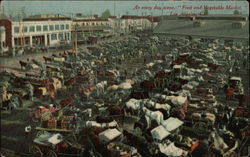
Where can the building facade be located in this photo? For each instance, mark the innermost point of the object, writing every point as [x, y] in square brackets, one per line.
[55, 30]
[135, 23]
[2, 39]
[47, 32]
[92, 27]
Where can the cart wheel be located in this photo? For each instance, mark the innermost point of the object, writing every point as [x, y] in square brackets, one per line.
[51, 153]
[200, 128]
[35, 151]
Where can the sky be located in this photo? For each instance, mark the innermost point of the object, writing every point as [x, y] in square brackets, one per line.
[121, 7]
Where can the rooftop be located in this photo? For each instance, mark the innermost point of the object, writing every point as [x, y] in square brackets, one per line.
[90, 28]
[48, 19]
[89, 20]
[212, 28]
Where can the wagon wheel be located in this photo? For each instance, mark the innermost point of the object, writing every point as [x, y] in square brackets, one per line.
[200, 128]
[51, 153]
[35, 151]
[215, 88]
[45, 116]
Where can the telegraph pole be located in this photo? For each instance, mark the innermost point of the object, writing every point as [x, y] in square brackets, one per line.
[74, 46]
[114, 6]
[1, 46]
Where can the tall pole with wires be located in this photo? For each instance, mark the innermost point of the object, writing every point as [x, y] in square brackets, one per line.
[74, 37]
[114, 7]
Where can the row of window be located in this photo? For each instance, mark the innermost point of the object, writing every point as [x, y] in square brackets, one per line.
[95, 24]
[60, 36]
[40, 28]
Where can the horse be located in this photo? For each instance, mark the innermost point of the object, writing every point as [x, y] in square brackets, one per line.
[100, 87]
[44, 49]
[154, 115]
[139, 95]
[164, 108]
[47, 59]
[23, 64]
[150, 85]
[133, 105]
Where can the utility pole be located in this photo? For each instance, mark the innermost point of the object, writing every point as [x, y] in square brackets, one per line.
[74, 42]
[152, 20]
[1, 14]
[114, 6]
[21, 35]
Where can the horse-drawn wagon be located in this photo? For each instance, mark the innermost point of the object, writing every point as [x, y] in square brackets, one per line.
[42, 112]
[234, 87]
[54, 145]
[200, 123]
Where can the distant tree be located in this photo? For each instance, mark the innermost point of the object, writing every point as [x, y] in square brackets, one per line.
[106, 14]
[236, 12]
[23, 12]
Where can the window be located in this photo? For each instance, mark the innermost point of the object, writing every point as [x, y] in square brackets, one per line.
[57, 27]
[83, 24]
[32, 28]
[62, 27]
[45, 28]
[25, 29]
[53, 36]
[38, 28]
[67, 36]
[16, 29]
[61, 37]
[67, 26]
[51, 27]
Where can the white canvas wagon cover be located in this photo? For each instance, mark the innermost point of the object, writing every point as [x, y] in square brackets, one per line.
[172, 123]
[109, 135]
[49, 138]
[235, 78]
[171, 150]
[159, 133]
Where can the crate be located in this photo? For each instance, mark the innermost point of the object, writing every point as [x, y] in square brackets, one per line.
[44, 124]
[52, 123]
